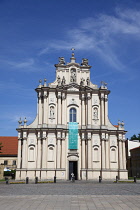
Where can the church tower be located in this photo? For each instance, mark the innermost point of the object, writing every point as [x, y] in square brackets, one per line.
[72, 132]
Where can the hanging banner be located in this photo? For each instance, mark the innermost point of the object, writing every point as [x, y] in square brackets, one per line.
[73, 135]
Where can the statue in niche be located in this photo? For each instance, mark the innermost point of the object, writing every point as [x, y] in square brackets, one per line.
[61, 60]
[82, 81]
[84, 62]
[73, 75]
[63, 81]
[88, 81]
[95, 114]
[52, 112]
[58, 80]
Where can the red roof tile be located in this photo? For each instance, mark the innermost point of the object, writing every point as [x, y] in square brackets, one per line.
[9, 145]
[116, 126]
[135, 148]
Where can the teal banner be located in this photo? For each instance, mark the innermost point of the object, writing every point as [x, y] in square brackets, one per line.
[73, 135]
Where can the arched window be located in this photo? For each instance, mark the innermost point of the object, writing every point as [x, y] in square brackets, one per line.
[72, 115]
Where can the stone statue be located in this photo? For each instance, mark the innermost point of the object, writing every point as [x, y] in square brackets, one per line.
[88, 81]
[63, 81]
[73, 76]
[52, 112]
[58, 80]
[84, 62]
[61, 60]
[82, 81]
[95, 114]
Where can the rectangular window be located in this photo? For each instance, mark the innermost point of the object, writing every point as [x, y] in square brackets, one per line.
[5, 162]
[14, 162]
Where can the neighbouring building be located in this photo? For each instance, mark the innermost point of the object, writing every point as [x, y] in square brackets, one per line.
[135, 161]
[129, 146]
[8, 152]
[72, 132]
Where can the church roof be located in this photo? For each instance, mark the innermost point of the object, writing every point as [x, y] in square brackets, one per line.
[9, 145]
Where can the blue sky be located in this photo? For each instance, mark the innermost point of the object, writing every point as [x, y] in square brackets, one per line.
[34, 33]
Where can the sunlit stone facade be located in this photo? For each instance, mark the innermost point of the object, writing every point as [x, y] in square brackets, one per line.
[43, 146]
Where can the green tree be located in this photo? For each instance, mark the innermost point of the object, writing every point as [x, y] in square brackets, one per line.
[134, 137]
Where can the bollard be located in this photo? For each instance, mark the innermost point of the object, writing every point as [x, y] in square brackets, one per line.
[7, 180]
[100, 179]
[116, 179]
[36, 180]
[54, 179]
[27, 180]
[135, 179]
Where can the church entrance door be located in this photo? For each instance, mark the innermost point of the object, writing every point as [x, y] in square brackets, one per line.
[73, 169]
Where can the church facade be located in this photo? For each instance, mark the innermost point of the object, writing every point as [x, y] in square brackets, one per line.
[72, 132]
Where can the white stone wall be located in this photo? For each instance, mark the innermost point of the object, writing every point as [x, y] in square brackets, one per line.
[43, 145]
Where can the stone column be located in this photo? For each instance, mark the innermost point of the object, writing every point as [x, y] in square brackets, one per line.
[102, 109]
[45, 108]
[59, 109]
[24, 155]
[39, 152]
[63, 159]
[89, 109]
[19, 153]
[83, 151]
[44, 148]
[106, 109]
[58, 152]
[103, 153]
[89, 152]
[120, 155]
[58, 149]
[107, 153]
[124, 155]
[39, 108]
[83, 110]
[63, 109]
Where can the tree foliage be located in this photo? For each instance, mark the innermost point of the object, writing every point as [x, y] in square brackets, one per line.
[134, 137]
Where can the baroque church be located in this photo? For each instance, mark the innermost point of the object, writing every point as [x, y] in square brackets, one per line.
[71, 132]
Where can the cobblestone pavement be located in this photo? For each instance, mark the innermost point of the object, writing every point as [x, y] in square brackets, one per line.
[70, 196]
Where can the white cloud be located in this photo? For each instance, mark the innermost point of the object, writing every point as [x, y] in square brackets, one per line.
[27, 63]
[104, 35]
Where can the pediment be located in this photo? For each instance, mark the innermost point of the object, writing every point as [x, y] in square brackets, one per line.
[73, 87]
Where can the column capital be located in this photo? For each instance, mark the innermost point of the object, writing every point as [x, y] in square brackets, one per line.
[120, 140]
[63, 96]
[59, 95]
[88, 96]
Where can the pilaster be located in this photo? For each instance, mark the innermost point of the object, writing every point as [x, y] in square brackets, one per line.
[59, 108]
